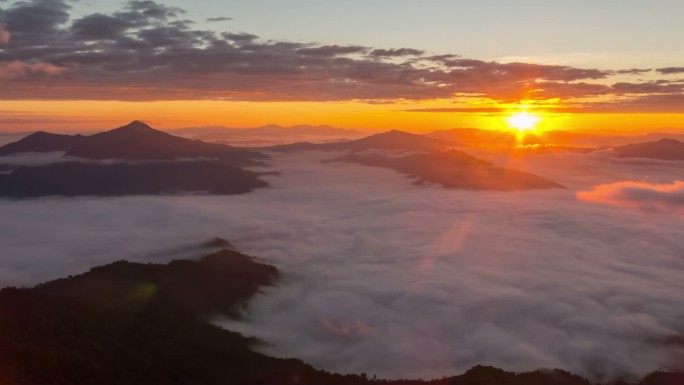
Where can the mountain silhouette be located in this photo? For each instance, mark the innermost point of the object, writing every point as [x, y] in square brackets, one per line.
[42, 142]
[138, 141]
[455, 169]
[134, 141]
[664, 149]
[507, 138]
[391, 140]
[147, 162]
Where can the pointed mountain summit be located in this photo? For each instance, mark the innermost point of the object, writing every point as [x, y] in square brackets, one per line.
[664, 149]
[135, 127]
[134, 141]
[154, 164]
[139, 141]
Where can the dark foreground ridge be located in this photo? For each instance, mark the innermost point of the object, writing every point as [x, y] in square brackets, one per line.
[128, 323]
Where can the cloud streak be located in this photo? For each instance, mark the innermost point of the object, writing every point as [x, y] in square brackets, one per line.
[671, 70]
[15, 70]
[661, 197]
[218, 19]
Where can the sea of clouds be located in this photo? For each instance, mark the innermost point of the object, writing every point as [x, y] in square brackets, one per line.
[389, 278]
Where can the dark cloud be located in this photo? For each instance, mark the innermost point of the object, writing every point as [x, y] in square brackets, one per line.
[100, 27]
[528, 71]
[397, 52]
[149, 51]
[656, 87]
[36, 22]
[332, 50]
[147, 9]
[217, 19]
[633, 71]
[238, 38]
[657, 103]
[671, 70]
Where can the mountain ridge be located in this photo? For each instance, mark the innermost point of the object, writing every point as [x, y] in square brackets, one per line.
[155, 163]
[389, 140]
[663, 149]
[134, 141]
[455, 169]
[41, 141]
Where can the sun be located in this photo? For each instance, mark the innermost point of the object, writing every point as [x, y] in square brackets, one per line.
[523, 121]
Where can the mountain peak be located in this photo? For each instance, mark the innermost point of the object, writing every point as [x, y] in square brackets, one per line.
[664, 149]
[668, 140]
[393, 134]
[40, 133]
[135, 126]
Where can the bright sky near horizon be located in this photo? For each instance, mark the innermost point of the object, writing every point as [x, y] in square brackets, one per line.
[407, 64]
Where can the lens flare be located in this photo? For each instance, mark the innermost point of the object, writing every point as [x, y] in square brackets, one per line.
[523, 121]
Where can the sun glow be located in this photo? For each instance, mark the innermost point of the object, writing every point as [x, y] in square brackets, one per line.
[523, 121]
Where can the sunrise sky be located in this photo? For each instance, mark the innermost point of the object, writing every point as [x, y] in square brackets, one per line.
[409, 64]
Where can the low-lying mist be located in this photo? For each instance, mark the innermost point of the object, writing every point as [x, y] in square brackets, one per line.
[386, 277]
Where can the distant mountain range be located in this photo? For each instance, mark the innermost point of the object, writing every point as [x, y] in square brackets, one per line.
[664, 149]
[454, 169]
[268, 135]
[136, 159]
[217, 132]
[497, 138]
[139, 160]
[392, 140]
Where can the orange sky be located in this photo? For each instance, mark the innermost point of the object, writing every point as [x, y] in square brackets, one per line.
[97, 115]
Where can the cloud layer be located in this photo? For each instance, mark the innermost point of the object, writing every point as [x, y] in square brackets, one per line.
[132, 53]
[385, 277]
[638, 194]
